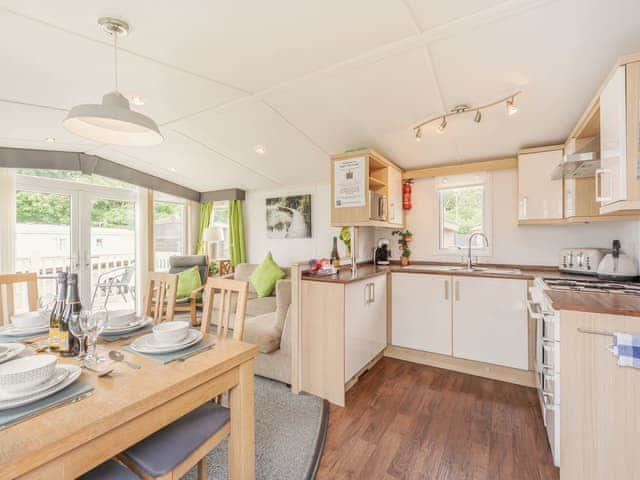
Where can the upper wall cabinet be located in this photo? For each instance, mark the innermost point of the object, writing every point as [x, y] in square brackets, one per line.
[617, 181]
[539, 197]
[366, 190]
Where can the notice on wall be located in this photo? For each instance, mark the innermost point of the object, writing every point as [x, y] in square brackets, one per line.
[349, 181]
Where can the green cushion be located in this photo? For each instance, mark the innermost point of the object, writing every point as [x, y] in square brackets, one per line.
[265, 276]
[188, 281]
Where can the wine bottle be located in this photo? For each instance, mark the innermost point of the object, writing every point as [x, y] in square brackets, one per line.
[69, 343]
[335, 257]
[56, 313]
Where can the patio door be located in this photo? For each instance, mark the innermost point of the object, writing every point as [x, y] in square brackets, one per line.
[81, 228]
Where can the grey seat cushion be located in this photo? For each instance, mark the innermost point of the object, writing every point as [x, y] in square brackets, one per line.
[164, 450]
[179, 263]
[110, 470]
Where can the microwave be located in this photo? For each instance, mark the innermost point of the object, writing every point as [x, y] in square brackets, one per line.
[377, 206]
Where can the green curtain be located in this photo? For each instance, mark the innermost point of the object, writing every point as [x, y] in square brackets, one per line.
[205, 220]
[236, 233]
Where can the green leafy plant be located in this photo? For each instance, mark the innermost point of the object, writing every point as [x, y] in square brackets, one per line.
[213, 268]
[404, 238]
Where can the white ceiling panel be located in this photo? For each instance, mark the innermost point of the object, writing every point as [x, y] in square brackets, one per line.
[434, 13]
[184, 162]
[251, 44]
[359, 104]
[55, 68]
[235, 130]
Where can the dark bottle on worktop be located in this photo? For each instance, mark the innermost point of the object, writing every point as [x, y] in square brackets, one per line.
[335, 257]
[69, 343]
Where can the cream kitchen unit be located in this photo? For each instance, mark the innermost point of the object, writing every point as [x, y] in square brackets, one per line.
[539, 197]
[467, 317]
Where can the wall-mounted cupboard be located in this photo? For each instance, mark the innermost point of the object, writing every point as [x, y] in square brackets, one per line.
[366, 190]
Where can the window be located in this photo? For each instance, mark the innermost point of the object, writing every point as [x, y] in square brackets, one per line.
[169, 230]
[463, 209]
[220, 219]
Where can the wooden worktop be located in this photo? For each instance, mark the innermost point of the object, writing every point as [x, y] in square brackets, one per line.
[368, 270]
[595, 302]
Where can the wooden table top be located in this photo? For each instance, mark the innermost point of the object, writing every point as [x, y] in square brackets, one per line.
[116, 399]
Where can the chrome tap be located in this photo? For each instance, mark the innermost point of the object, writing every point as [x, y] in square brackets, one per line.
[471, 237]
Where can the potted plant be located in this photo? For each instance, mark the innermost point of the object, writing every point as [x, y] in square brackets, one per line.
[404, 237]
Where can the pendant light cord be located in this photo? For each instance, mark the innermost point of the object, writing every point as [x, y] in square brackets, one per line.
[115, 58]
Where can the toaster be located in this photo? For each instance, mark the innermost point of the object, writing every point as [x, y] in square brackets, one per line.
[581, 260]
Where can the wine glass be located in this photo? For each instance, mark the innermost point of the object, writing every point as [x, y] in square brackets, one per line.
[77, 326]
[95, 323]
[45, 305]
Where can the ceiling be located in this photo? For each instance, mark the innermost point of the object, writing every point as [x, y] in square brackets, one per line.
[308, 79]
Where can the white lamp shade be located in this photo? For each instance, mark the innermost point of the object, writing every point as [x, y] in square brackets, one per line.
[113, 122]
[213, 234]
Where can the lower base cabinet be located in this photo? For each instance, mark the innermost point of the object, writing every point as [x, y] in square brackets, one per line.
[475, 318]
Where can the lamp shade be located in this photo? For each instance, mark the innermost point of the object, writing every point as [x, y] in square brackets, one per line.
[213, 234]
[113, 122]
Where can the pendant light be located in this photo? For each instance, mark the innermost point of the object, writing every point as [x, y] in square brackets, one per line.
[113, 121]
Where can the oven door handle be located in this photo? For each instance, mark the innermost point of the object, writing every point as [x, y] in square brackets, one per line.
[532, 313]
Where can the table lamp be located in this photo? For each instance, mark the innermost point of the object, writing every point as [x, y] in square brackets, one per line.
[212, 236]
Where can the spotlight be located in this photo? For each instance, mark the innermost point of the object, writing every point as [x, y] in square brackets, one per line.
[478, 117]
[418, 134]
[442, 125]
[512, 109]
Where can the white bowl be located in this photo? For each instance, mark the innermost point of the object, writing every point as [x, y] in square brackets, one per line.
[121, 318]
[167, 333]
[29, 319]
[26, 372]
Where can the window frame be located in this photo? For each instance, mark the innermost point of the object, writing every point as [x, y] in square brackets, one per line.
[482, 179]
[226, 244]
[166, 198]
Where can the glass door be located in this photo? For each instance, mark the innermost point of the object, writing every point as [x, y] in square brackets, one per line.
[110, 253]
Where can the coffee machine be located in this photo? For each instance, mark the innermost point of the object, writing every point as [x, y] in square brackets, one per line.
[382, 252]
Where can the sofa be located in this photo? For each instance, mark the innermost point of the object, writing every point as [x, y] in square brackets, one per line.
[267, 324]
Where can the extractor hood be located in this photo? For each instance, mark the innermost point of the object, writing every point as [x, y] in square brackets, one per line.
[577, 165]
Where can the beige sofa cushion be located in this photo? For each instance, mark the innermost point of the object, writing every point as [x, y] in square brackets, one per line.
[260, 306]
[263, 331]
[244, 271]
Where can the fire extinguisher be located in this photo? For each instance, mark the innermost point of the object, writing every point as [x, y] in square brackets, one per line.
[406, 194]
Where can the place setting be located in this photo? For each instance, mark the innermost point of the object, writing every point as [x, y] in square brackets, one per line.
[171, 341]
[28, 325]
[123, 324]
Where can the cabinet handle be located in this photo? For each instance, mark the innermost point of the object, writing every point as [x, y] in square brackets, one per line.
[600, 178]
[457, 290]
[372, 297]
[524, 202]
[446, 289]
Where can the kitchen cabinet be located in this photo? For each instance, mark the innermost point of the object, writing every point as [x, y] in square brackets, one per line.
[600, 418]
[611, 178]
[421, 312]
[365, 322]
[490, 322]
[539, 197]
[361, 182]
[343, 327]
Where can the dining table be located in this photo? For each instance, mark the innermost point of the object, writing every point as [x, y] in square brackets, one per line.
[131, 404]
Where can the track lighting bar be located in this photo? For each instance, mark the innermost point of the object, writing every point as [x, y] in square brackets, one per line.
[510, 102]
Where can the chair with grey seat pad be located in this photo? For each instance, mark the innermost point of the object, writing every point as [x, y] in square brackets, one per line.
[110, 470]
[192, 303]
[172, 451]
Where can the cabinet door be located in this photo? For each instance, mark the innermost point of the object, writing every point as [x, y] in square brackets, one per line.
[490, 321]
[421, 312]
[365, 322]
[539, 197]
[395, 196]
[611, 178]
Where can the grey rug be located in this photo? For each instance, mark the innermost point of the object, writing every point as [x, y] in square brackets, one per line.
[289, 435]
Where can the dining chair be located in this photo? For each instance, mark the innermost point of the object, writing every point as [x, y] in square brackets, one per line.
[160, 299]
[172, 451]
[8, 283]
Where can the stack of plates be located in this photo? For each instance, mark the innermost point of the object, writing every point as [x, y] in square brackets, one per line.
[29, 379]
[25, 324]
[150, 343]
[120, 327]
[10, 350]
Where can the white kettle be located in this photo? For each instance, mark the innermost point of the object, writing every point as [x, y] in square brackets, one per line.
[617, 265]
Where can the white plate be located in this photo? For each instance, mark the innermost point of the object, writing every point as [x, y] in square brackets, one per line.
[147, 343]
[121, 318]
[140, 322]
[29, 319]
[74, 373]
[11, 331]
[59, 375]
[13, 350]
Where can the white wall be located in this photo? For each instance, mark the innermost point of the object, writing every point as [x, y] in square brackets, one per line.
[287, 251]
[524, 245]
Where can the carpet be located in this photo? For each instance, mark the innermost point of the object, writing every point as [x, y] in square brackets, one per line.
[290, 431]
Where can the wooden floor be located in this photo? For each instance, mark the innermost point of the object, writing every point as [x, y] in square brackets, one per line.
[405, 420]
